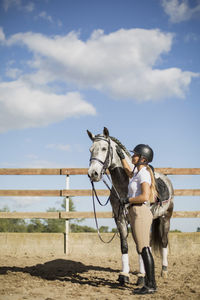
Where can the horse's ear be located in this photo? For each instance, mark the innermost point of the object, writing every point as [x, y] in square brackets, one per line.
[106, 132]
[91, 136]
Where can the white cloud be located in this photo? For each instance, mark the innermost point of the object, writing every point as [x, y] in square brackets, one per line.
[13, 73]
[22, 106]
[118, 63]
[9, 3]
[43, 15]
[28, 7]
[192, 37]
[2, 35]
[123, 64]
[179, 10]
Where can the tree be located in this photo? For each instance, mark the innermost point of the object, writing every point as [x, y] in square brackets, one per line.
[47, 225]
[71, 204]
[35, 225]
[58, 225]
[198, 229]
[11, 225]
[103, 229]
[78, 228]
[54, 225]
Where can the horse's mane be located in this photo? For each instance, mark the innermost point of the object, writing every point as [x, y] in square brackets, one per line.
[120, 145]
[117, 142]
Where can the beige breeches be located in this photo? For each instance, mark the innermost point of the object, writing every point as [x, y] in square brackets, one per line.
[140, 218]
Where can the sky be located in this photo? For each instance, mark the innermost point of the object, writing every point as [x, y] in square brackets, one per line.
[132, 66]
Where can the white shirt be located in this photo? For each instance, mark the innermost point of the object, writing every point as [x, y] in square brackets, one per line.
[134, 187]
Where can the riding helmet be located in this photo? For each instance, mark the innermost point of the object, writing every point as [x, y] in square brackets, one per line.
[144, 151]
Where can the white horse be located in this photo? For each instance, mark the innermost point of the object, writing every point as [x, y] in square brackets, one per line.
[103, 157]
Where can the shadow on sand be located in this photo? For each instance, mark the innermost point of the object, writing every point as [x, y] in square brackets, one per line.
[67, 270]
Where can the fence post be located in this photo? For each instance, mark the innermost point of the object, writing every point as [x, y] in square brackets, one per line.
[66, 240]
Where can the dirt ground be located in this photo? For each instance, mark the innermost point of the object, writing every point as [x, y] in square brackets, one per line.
[70, 277]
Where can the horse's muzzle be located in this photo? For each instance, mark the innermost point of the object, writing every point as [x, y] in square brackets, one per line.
[94, 175]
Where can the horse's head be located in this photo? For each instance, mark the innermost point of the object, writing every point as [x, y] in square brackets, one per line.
[101, 154]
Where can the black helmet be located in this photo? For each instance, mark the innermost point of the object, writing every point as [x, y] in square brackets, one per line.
[144, 151]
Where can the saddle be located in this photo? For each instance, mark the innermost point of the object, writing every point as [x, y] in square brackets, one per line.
[162, 189]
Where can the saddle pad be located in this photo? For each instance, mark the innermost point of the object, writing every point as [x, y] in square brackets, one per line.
[162, 189]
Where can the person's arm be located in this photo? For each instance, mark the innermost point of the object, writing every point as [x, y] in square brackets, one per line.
[125, 165]
[127, 168]
[143, 197]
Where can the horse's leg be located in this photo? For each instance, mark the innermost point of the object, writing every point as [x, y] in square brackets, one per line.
[122, 228]
[164, 229]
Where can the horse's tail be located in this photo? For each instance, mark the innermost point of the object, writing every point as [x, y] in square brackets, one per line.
[156, 238]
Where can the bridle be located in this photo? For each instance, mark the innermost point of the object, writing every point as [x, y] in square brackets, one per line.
[104, 167]
[106, 162]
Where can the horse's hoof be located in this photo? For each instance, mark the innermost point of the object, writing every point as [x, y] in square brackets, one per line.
[164, 272]
[140, 281]
[123, 279]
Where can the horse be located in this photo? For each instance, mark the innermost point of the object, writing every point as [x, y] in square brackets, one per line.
[103, 157]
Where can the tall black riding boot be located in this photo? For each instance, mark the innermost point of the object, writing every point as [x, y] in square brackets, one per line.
[150, 283]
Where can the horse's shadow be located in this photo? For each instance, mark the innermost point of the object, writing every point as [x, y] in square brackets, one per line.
[66, 270]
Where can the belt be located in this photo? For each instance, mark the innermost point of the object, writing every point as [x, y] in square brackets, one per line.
[135, 204]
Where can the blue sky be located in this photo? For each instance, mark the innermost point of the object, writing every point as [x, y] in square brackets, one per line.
[68, 66]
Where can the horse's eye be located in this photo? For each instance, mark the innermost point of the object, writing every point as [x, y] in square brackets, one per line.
[104, 149]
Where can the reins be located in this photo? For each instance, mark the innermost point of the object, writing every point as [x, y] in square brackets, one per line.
[95, 215]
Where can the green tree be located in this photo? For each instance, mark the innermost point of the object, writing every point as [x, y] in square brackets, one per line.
[78, 228]
[198, 229]
[35, 225]
[103, 229]
[47, 225]
[54, 225]
[58, 225]
[12, 225]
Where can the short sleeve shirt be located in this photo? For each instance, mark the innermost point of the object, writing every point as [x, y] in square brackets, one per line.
[134, 187]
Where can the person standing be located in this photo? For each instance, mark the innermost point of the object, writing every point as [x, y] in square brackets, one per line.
[141, 192]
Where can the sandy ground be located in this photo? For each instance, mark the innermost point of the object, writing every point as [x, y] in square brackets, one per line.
[70, 277]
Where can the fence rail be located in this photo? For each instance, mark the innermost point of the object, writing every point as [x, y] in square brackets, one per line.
[83, 171]
[81, 192]
[73, 193]
[80, 215]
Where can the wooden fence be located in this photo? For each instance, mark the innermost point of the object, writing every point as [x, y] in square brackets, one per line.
[80, 192]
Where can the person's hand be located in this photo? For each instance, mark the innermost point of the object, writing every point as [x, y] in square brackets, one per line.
[120, 152]
[124, 201]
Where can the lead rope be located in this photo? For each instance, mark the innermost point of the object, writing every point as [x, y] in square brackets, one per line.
[95, 193]
[120, 207]
[95, 216]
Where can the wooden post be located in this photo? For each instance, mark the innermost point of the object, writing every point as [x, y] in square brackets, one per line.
[66, 240]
